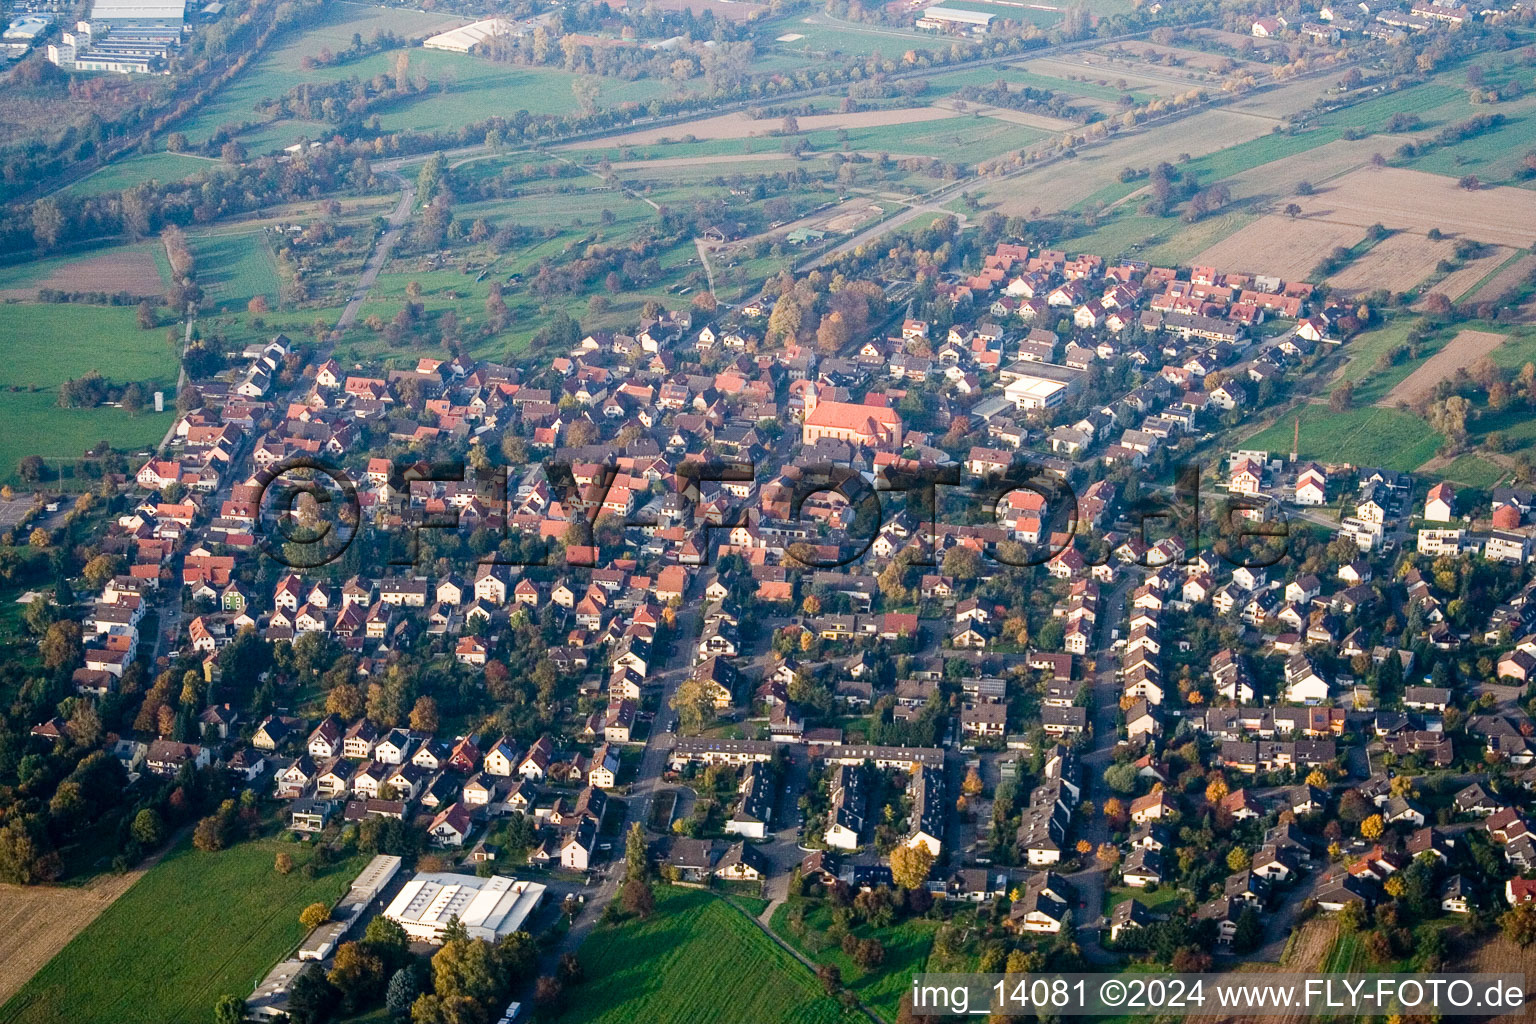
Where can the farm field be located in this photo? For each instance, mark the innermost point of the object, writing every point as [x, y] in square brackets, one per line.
[1459, 283]
[1461, 351]
[1415, 201]
[740, 126]
[1397, 263]
[1285, 247]
[1097, 168]
[1510, 277]
[104, 976]
[38, 921]
[463, 89]
[1368, 436]
[139, 269]
[650, 970]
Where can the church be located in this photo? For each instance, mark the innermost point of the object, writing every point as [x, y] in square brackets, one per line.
[871, 425]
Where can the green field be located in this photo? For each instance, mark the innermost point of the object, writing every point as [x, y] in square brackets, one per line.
[463, 89]
[1387, 438]
[696, 959]
[46, 345]
[234, 268]
[130, 171]
[196, 926]
[49, 344]
[1473, 471]
[907, 947]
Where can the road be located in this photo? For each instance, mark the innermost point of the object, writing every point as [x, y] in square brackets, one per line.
[398, 217]
[1091, 883]
[653, 764]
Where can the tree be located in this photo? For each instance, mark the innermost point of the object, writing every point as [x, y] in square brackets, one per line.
[972, 786]
[424, 715]
[402, 992]
[1317, 777]
[1292, 210]
[229, 1010]
[636, 859]
[1372, 827]
[148, 830]
[1519, 924]
[1121, 778]
[910, 865]
[209, 835]
[283, 863]
[314, 915]
[638, 898]
[47, 223]
[1342, 397]
[356, 973]
[1216, 792]
[1238, 859]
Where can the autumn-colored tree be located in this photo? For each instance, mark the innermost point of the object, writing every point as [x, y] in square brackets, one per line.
[1216, 791]
[1238, 859]
[1372, 827]
[1317, 777]
[424, 715]
[910, 865]
[972, 786]
[314, 915]
[1084, 846]
[283, 864]
[1519, 924]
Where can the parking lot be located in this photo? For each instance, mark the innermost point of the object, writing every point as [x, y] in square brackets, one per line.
[13, 511]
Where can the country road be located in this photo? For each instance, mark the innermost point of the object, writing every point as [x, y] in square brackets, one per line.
[398, 217]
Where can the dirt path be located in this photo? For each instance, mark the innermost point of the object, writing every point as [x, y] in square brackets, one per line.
[1463, 350]
[36, 921]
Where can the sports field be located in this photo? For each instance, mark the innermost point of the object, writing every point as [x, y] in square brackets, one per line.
[197, 926]
[697, 958]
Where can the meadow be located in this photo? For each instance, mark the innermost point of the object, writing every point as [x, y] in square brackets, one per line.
[696, 958]
[233, 268]
[196, 926]
[142, 167]
[1385, 438]
[907, 947]
[47, 345]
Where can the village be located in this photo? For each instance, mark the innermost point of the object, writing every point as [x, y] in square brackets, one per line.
[1045, 706]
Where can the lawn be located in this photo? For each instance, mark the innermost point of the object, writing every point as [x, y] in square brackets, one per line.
[907, 947]
[197, 926]
[1165, 895]
[695, 959]
[235, 268]
[1369, 436]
